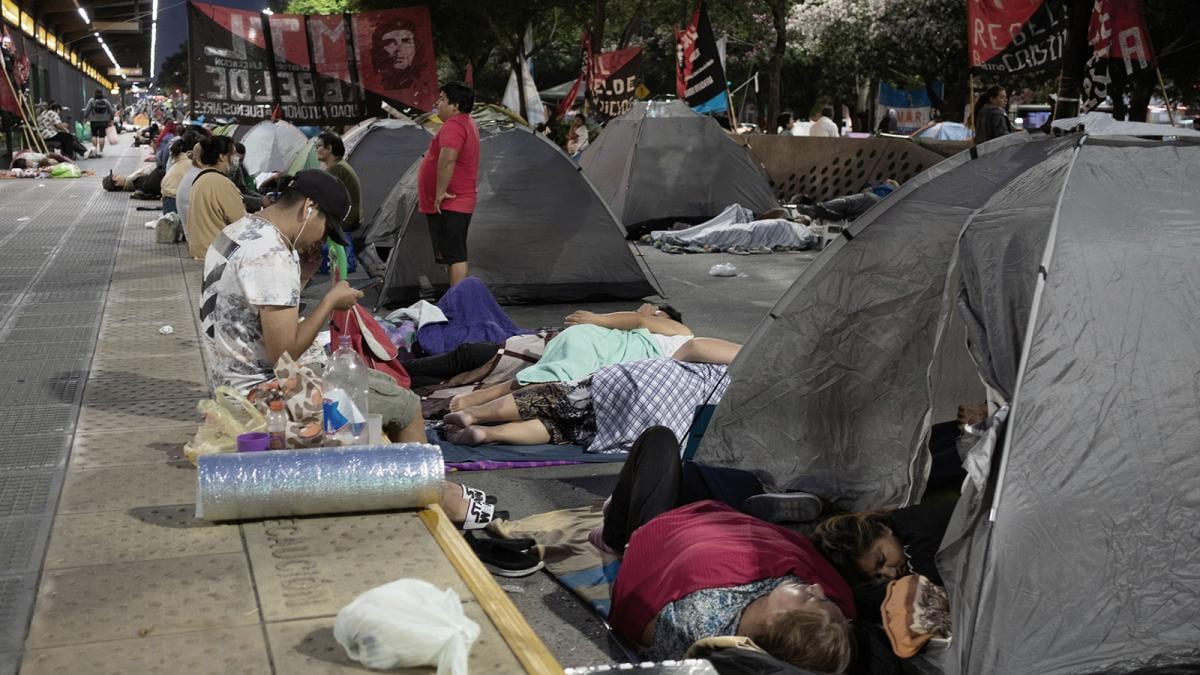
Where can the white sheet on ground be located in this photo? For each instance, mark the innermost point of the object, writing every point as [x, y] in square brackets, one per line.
[735, 228]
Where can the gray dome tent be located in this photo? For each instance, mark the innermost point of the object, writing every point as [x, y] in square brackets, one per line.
[1057, 278]
[660, 160]
[378, 150]
[540, 232]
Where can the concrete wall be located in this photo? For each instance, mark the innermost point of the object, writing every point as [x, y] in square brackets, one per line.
[824, 168]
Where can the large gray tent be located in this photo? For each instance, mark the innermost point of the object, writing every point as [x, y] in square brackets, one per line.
[660, 160]
[1057, 278]
[540, 232]
[379, 151]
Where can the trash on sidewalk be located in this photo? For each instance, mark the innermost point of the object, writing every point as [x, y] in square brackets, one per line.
[166, 330]
[407, 623]
[723, 270]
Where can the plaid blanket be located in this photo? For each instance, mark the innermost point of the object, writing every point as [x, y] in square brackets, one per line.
[631, 397]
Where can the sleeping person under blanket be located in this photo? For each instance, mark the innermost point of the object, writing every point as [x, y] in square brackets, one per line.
[605, 412]
[592, 341]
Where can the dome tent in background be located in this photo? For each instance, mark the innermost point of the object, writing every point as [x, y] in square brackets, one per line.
[272, 146]
[540, 232]
[662, 161]
[380, 151]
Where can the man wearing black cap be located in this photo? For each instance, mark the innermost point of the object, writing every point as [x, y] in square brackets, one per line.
[253, 274]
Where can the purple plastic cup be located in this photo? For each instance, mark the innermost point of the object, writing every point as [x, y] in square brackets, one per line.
[253, 441]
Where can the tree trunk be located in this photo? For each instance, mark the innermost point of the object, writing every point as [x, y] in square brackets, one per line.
[599, 17]
[779, 10]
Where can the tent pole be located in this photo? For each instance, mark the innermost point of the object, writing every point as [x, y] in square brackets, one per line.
[1166, 101]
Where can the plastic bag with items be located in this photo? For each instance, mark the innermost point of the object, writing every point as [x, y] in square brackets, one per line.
[407, 624]
[226, 415]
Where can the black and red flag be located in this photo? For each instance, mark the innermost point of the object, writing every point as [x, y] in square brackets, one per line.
[699, 74]
[1119, 40]
[1016, 36]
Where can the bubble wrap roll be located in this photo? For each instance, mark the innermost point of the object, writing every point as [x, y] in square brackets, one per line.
[279, 483]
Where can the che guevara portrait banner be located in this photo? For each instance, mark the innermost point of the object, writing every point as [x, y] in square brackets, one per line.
[313, 69]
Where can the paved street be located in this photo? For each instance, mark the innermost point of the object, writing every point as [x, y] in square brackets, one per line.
[102, 564]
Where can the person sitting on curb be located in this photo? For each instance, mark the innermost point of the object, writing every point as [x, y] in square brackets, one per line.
[249, 313]
[592, 341]
[213, 201]
[254, 271]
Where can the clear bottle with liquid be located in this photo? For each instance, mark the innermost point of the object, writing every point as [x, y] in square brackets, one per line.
[345, 389]
[277, 421]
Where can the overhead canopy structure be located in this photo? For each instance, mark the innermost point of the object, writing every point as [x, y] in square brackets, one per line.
[661, 161]
[380, 152]
[540, 232]
[125, 26]
[1055, 277]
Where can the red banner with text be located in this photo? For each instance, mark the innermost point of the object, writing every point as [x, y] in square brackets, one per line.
[324, 69]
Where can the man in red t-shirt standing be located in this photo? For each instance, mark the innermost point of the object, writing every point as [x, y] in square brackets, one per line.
[447, 179]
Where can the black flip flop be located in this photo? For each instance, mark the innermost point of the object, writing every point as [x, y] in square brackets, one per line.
[503, 558]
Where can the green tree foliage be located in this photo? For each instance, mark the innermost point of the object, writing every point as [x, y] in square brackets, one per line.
[174, 73]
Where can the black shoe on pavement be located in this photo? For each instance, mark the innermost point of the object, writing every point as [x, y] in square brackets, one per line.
[783, 507]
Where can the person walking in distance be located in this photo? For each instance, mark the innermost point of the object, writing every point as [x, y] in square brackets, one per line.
[99, 112]
[447, 179]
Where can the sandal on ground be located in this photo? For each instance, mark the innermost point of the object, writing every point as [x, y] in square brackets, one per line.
[480, 515]
[783, 507]
[476, 495]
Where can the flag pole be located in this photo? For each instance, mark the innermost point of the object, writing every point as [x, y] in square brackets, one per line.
[1166, 101]
[29, 129]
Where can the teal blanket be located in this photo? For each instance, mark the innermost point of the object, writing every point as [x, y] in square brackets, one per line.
[581, 350]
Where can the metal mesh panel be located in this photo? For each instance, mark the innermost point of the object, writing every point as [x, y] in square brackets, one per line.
[23, 453]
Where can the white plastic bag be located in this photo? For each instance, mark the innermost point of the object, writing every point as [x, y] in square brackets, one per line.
[723, 270]
[405, 624]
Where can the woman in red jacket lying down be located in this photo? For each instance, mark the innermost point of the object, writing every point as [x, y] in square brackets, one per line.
[705, 570]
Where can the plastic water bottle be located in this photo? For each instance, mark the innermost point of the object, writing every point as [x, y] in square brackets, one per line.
[277, 421]
[345, 388]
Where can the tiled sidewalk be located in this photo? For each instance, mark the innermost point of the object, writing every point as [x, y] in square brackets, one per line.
[130, 581]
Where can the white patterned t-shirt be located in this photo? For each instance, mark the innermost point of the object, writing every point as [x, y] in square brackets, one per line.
[248, 266]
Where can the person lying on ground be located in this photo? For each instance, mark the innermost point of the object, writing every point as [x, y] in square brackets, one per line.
[254, 271]
[29, 159]
[870, 549]
[705, 570]
[592, 341]
[144, 181]
[848, 207]
[605, 412]
[655, 480]
[430, 371]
